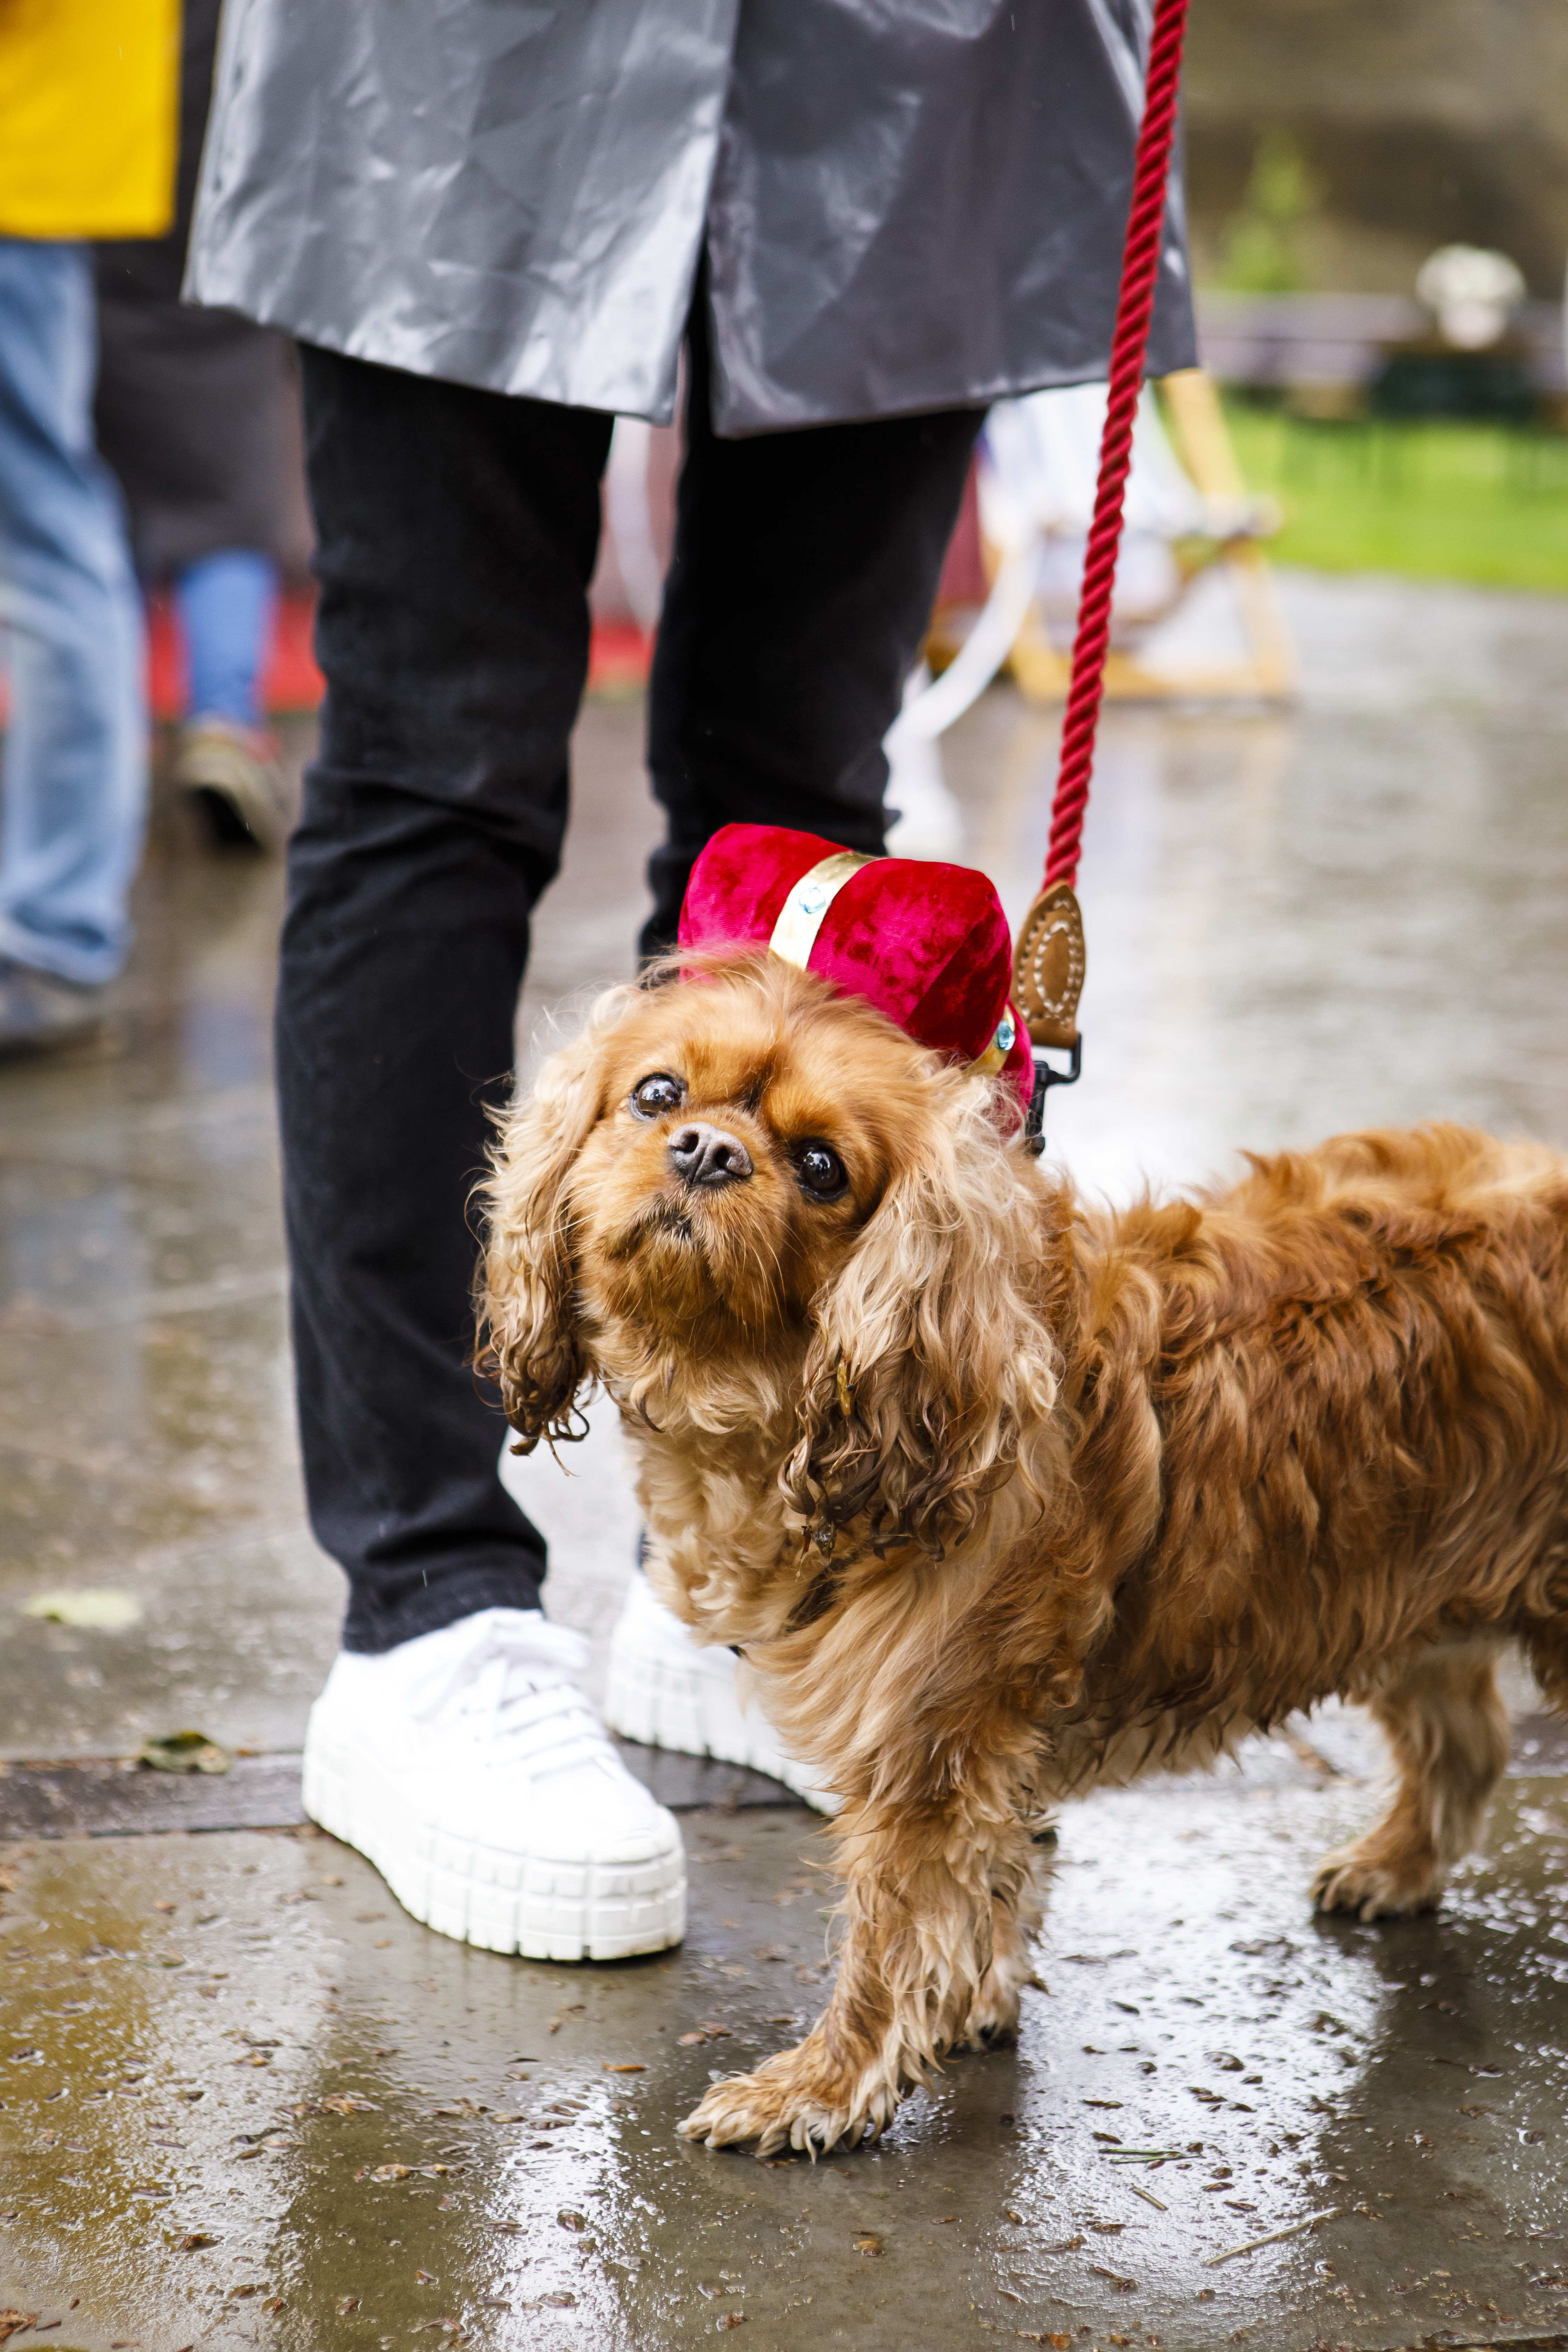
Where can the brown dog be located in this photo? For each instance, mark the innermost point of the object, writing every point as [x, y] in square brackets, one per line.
[1004, 1496]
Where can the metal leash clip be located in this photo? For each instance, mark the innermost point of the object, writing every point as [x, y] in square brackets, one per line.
[1047, 1076]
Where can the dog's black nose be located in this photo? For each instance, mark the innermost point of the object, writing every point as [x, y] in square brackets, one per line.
[706, 1155]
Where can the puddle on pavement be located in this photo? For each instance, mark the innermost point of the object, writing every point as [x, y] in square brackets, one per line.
[239, 2038]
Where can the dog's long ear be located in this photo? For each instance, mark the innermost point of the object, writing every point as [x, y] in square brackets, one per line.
[529, 1342]
[932, 1377]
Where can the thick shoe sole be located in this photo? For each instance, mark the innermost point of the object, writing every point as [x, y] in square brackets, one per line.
[691, 1708]
[687, 1703]
[540, 1909]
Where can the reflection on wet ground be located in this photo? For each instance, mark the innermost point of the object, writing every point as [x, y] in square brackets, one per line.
[235, 2075]
[245, 2101]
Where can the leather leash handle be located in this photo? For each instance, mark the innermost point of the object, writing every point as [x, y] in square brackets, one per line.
[1049, 967]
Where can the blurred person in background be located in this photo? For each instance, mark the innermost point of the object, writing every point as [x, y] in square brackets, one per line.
[87, 150]
[493, 226]
[191, 416]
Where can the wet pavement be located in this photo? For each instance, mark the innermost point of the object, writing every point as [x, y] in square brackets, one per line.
[245, 2100]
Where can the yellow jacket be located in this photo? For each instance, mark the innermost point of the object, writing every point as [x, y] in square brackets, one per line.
[89, 117]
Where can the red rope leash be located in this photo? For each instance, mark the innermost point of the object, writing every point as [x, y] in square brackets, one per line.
[1134, 311]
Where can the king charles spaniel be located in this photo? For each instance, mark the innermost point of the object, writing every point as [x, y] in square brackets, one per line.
[1004, 1496]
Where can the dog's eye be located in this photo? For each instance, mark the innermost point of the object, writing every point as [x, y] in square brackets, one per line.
[651, 1098]
[821, 1170]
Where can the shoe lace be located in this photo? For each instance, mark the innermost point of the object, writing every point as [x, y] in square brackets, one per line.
[514, 1689]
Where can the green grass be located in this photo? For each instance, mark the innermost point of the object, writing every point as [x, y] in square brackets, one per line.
[1435, 501]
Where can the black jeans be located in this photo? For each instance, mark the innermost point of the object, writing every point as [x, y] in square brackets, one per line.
[457, 535]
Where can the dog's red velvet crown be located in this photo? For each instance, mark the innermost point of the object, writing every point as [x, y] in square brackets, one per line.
[927, 944]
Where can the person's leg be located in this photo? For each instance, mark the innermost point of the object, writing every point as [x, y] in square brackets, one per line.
[76, 748]
[451, 1745]
[225, 602]
[224, 761]
[457, 534]
[804, 569]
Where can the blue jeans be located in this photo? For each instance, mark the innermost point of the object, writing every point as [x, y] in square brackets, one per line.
[224, 602]
[74, 800]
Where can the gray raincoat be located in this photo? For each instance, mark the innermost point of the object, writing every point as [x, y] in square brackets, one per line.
[905, 204]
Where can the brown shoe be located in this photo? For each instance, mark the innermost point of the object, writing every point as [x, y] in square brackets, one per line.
[233, 772]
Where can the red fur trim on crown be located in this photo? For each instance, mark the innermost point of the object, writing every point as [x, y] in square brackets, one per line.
[927, 944]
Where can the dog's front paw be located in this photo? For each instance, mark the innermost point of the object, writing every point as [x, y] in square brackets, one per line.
[1376, 1885]
[799, 2099]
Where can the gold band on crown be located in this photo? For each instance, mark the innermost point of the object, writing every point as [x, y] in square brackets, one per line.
[800, 916]
[800, 919]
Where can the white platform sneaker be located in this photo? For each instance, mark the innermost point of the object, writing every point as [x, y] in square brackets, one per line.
[668, 1691]
[469, 1768]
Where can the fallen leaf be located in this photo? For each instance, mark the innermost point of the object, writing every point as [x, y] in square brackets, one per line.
[425, 2278]
[194, 2238]
[347, 2304]
[347, 2103]
[730, 2320]
[1123, 2285]
[12, 2322]
[562, 2300]
[390, 2172]
[634, 2066]
[98, 1608]
[571, 2220]
[183, 1751]
[868, 2242]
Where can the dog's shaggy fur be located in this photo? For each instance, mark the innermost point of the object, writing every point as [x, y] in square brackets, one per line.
[1005, 1496]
